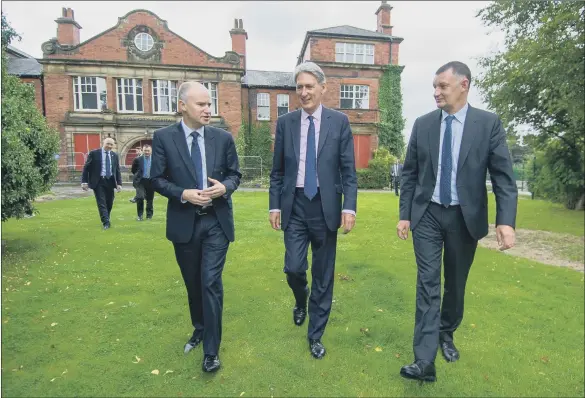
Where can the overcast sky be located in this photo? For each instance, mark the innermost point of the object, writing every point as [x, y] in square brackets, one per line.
[434, 32]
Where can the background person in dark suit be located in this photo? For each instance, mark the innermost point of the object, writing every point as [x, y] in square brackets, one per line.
[444, 202]
[396, 173]
[196, 167]
[313, 165]
[141, 167]
[101, 172]
[133, 200]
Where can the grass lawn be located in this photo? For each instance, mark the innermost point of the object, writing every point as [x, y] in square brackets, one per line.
[81, 305]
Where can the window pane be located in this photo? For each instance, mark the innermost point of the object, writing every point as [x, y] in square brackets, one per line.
[139, 103]
[129, 102]
[282, 110]
[263, 112]
[346, 103]
[369, 59]
[89, 101]
[338, 57]
[76, 97]
[174, 103]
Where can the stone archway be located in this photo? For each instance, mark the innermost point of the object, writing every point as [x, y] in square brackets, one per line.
[129, 152]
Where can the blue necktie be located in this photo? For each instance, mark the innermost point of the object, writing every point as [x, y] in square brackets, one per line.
[311, 163]
[446, 164]
[197, 160]
[108, 167]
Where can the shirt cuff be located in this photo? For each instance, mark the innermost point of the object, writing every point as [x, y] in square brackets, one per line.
[348, 211]
[274, 210]
[182, 200]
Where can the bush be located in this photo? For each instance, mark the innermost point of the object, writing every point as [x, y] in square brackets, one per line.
[377, 175]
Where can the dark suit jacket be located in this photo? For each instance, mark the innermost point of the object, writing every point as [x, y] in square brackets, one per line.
[172, 171]
[335, 165]
[483, 147]
[93, 168]
[138, 169]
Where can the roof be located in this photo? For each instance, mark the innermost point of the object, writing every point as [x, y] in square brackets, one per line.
[346, 30]
[18, 53]
[268, 79]
[24, 67]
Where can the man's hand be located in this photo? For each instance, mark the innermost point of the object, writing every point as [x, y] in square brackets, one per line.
[402, 229]
[275, 219]
[347, 222]
[506, 237]
[84, 186]
[196, 197]
[214, 191]
[119, 188]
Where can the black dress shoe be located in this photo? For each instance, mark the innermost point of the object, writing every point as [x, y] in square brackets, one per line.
[211, 363]
[419, 370]
[106, 226]
[133, 200]
[450, 352]
[149, 217]
[193, 342]
[299, 315]
[317, 348]
[139, 218]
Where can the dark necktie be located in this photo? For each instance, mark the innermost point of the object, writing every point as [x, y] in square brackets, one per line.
[108, 165]
[446, 164]
[197, 160]
[311, 163]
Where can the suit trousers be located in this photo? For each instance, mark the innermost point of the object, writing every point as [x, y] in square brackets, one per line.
[201, 261]
[144, 191]
[104, 196]
[307, 224]
[441, 231]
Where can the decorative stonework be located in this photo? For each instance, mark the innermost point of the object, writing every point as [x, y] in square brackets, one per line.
[230, 57]
[53, 47]
[135, 54]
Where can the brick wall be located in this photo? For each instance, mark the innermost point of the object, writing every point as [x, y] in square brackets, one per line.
[292, 105]
[323, 49]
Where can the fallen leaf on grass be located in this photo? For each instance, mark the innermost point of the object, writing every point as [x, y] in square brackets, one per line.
[364, 330]
[168, 371]
[110, 303]
[54, 324]
[242, 393]
[53, 379]
[155, 372]
[485, 377]
[28, 283]
[137, 359]
[397, 355]
[544, 359]
[473, 325]
[65, 371]
[378, 349]
[380, 310]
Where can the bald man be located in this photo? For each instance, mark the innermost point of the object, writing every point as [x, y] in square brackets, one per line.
[101, 172]
[196, 167]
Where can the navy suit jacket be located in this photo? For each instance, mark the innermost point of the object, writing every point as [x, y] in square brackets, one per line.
[335, 166]
[92, 168]
[172, 171]
[483, 148]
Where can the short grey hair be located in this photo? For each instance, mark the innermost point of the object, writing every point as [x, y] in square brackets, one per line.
[313, 69]
[183, 90]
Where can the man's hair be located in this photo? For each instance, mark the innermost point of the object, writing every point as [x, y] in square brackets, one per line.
[459, 69]
[313, 69]
[146, 146]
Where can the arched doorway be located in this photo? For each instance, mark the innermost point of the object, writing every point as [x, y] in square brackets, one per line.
[133, 151]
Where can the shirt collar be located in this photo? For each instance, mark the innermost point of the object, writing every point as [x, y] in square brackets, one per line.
[188, 131]
[459, 116]
[316, 114]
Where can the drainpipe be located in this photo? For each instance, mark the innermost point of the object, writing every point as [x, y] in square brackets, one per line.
[43, 95]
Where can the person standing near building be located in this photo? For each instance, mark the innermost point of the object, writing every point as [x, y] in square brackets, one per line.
[138, 154]
[141, 170]
[101, 172]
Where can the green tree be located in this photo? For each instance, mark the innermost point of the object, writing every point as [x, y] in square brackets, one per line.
[538, 81]
[390, 103]
[29, 145]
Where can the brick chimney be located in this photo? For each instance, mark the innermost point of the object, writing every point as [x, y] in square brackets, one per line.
[239, 37]
[67, 28]
[383, 14]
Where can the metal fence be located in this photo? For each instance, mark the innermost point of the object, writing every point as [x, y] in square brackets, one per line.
[252, 170]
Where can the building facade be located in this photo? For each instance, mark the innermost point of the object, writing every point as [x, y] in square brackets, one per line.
[122, 83]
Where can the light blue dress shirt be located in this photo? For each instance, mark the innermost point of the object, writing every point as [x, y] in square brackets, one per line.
[104, 154]
[456, 136]
[201, 142]
[147, 161]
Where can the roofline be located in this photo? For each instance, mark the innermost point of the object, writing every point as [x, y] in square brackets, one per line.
[246, 85]
[165, 25]
[24, 55]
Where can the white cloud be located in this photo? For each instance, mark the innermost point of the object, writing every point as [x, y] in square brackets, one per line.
[434, 32]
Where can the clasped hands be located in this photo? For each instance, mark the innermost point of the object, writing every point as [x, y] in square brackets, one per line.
[347, 221]
[202, 197]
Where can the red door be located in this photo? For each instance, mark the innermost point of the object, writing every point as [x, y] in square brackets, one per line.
[362, 152]
[82, 144]
[132, 152]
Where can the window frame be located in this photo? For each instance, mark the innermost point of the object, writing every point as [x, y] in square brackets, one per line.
[279, 106]
[355, 89]
[77, 85]
[263, 106]
[135, 95]
[141, 41]
[156, 97]
[344, 49]
[213, 88]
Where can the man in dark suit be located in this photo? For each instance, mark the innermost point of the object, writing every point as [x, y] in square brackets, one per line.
[196, 167]
[396, 173]
[444, 202]
[141, 167]
[313, 166]
[133, 200]
[101, 172]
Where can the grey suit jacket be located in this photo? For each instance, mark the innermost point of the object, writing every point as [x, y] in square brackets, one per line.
[483, 147]
[335, 166]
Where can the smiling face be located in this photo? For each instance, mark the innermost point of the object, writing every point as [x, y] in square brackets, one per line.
[309, 92]
[108, 144]
[451, 91]
[196, 106]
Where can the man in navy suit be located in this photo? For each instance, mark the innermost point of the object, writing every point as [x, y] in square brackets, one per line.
[313, 166]
[141, 166]
[101, 172]
[196, 167]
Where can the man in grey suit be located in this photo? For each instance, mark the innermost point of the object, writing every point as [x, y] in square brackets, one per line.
[313, 166]
[444, 202]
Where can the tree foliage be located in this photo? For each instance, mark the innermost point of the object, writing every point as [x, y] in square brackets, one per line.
[390, 104]
[538, 81]
[29, 145]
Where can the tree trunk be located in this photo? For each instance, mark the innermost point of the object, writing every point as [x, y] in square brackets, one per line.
[580, 203]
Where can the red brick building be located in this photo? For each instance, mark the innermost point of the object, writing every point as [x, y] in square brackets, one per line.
[123, 82]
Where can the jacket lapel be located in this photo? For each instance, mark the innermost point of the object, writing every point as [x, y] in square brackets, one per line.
[181, 143]
[209, 138]
[469, 134]
[295, 127]
[324, 130]
[434, 140]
